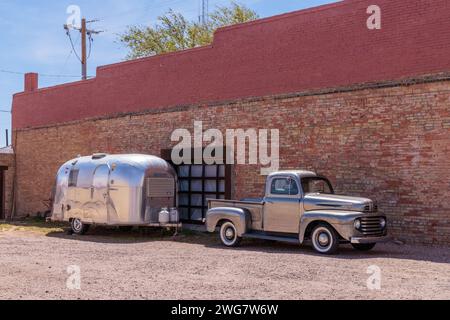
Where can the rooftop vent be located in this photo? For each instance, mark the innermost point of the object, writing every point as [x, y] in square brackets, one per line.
[98, 156]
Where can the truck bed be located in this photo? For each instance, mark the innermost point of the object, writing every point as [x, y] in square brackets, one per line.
[255, 206]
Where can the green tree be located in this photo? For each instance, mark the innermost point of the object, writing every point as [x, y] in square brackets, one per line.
[174, 32]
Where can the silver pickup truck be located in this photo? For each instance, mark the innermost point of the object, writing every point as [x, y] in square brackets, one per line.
[300, 207]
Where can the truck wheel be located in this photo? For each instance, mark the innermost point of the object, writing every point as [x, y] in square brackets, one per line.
[229, 235]
[325, 239]
[78, 227]
[364, 247]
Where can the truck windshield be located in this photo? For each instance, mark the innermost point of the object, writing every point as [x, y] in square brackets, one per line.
[317, 185]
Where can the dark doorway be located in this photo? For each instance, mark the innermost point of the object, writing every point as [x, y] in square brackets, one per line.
[197, 184]
[2, 192]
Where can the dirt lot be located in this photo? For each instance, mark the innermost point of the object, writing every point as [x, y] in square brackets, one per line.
[117, 265]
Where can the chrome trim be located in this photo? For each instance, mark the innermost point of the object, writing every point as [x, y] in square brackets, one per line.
[371, 240]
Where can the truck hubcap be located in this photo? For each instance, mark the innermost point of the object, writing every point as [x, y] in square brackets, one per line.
[324, 239]
[229, 233]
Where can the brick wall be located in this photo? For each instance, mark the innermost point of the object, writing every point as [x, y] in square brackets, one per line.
[7, 160]
[390, 144]
[322, 47]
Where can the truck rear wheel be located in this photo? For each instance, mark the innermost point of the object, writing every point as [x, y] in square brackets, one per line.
[229, 235]
[325, 239]
[78, 227]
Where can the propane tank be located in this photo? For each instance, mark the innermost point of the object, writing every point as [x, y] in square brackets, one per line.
[164, 216]
[174, 217]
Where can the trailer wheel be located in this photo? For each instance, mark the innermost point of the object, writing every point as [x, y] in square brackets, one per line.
[325, 239]
[78, 227]
[229, 235]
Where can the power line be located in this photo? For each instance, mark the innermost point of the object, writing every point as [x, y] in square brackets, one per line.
[41, 74]
[85, 34]
[11, 72]
[69, 55]
[204, 17]
[72, 45]
[91, 41]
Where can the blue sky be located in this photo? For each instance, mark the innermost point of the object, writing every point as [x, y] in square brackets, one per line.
[32, 38]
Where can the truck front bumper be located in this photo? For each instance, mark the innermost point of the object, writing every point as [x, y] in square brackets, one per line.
[370, 240]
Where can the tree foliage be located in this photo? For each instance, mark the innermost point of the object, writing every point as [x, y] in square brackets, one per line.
[174, 32]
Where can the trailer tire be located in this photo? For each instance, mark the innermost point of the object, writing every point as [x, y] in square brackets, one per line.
[78, 227]
[229, 235]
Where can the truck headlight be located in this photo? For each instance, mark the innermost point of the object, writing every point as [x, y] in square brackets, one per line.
[383, 223]
[357, 224]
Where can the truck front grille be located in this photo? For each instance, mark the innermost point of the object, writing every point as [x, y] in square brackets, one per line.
[372, 226]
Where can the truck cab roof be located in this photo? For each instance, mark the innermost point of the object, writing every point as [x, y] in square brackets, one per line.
[299, 173]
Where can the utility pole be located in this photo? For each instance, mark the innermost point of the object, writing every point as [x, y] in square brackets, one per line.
[205, 12]
[83, 49]
[85, 34]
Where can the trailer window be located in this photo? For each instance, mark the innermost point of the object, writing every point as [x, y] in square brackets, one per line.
[73, 177]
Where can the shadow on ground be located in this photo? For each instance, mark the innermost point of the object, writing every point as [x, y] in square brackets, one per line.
[147, 235]
[391, 250]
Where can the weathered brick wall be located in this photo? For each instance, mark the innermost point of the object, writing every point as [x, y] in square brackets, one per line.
[328, 46]
[390, 144]
[7, 160]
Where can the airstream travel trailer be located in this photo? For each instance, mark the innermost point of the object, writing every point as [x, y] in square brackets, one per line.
[116, 190]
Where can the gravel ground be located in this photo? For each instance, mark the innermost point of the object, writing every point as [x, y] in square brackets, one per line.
[117, 265]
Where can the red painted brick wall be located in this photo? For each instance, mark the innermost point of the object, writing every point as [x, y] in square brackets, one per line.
[391, 144]
[323, 47]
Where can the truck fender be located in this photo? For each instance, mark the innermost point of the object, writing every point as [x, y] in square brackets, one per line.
[241, 218]
[341, 222]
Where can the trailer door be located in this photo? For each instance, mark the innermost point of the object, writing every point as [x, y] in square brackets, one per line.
[100, 194]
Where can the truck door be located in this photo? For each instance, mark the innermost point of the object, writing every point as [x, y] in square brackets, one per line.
[282, 205]
[100, 194]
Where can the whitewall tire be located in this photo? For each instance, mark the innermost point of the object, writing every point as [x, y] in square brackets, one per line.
[325, 239]
[229, 235]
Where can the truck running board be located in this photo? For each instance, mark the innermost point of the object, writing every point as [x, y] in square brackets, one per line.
[271, 238]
